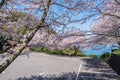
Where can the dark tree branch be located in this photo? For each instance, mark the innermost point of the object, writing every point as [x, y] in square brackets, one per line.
[2, 3]
[109, 14]
[117, 1]
[63, 6]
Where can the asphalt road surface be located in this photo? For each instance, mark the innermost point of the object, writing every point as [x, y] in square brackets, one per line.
[40, 66]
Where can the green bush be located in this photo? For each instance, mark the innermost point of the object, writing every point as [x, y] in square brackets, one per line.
[44, 50]
[116, 52]
[92, 56]
[69, 51]
[56, 51]
[37, 49]
[72, 52]
[79, 53]
[105, 55]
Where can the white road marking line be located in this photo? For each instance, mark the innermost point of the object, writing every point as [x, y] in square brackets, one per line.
[3, 72]
[41, 74]
[78, 71]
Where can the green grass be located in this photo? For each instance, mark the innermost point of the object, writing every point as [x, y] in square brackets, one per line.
[92, 56]
[68, 52]
[116, 52]
[105, 55]
[71, 52]
[37, 49]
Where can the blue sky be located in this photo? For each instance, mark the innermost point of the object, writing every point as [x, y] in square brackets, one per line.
[97, 52]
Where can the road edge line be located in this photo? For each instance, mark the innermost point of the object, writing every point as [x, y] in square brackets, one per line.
[78, 71]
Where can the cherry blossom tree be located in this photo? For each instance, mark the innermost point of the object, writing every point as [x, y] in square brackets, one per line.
[107, 29]
[69, 39]
[47, 13]
[13, 27]
[57, 14]
[23, 45]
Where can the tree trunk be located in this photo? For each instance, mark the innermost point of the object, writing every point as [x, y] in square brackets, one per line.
[17, 52]
[119, 45]
[24, 44]
[75, 53]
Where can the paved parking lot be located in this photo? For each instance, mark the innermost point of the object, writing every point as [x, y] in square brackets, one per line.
[40, 66]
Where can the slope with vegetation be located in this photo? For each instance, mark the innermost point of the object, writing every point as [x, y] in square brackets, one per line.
[64, 52]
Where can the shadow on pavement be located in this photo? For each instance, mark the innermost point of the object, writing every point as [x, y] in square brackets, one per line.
[97, 65]
[71, 76]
